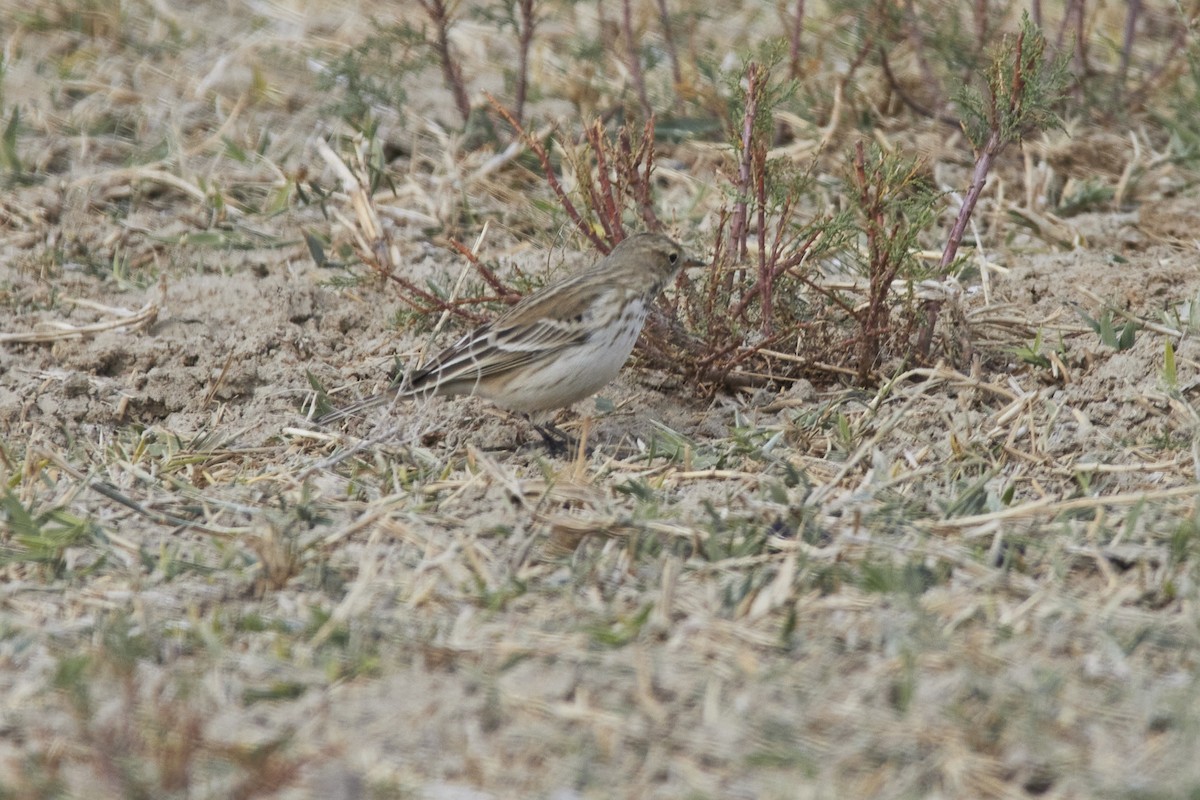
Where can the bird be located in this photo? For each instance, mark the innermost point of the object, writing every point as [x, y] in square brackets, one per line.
[557, 346]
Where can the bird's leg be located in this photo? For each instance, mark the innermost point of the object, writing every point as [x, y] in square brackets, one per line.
[557, 441]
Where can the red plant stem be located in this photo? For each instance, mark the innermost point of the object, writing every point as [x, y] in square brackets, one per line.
[797, 30]
[881, 269]
[1017, 89]
[644, 184]
[703, 363]
[738, 227]
[1137, 96]
[1081, 41]
[669, 41]
[436, 11]
[719, 265]
[606, 204]
[764, 272]
[981, 25]
[548, 172]
[635, 179]
[1131, 17]
[778, 265]
[524, 39]
[435, 303]
[489, 277]
[635, 60]
[983, 165]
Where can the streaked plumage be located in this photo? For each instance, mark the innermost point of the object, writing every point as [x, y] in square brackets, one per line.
[560, 344]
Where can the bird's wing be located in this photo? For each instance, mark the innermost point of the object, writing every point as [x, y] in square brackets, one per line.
[541, 325]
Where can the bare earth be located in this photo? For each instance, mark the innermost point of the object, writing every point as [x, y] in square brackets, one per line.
[960, 585]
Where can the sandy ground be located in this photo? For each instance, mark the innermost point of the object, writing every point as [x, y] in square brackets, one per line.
[987, 590]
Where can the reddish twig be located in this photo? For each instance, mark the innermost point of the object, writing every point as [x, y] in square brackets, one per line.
[738, 230]
[635, 58]
[983, 165]
[716, 365]
[764, 270]
[505, 293]
[1137, 97]
[642, 183]
[881, 268]
[981, 25]
[984, 158]
[451, 70]
[551, 179]
[916, 37]
[777, 263]
[526, 23]
[433, 303]
[1131, 17]
[906, 98]
[720, 265]
[622, 173]
[603, 201]
[672, 53]
[794, 33]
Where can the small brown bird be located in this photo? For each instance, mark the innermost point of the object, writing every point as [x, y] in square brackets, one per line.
[558, 345]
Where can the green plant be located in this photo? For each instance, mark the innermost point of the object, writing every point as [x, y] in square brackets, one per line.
[441, 16]
[894, 205]
[521, 17]
[9, 155]
[141, 736]
[1111, 335]
[372, 73]
[1032, 353]
[1045, 357]
[1022, 88]
[41, 536]
[1184, 317]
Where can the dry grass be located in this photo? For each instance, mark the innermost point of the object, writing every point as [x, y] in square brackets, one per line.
[975, 577]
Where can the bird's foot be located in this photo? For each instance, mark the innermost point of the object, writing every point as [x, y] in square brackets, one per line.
[557, 441]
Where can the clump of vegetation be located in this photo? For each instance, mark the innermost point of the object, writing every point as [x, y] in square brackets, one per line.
[862, 494]
[784, 240]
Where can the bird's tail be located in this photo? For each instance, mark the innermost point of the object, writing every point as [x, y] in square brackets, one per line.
[357, 407]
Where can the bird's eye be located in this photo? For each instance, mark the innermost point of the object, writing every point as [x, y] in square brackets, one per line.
[673, 257]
